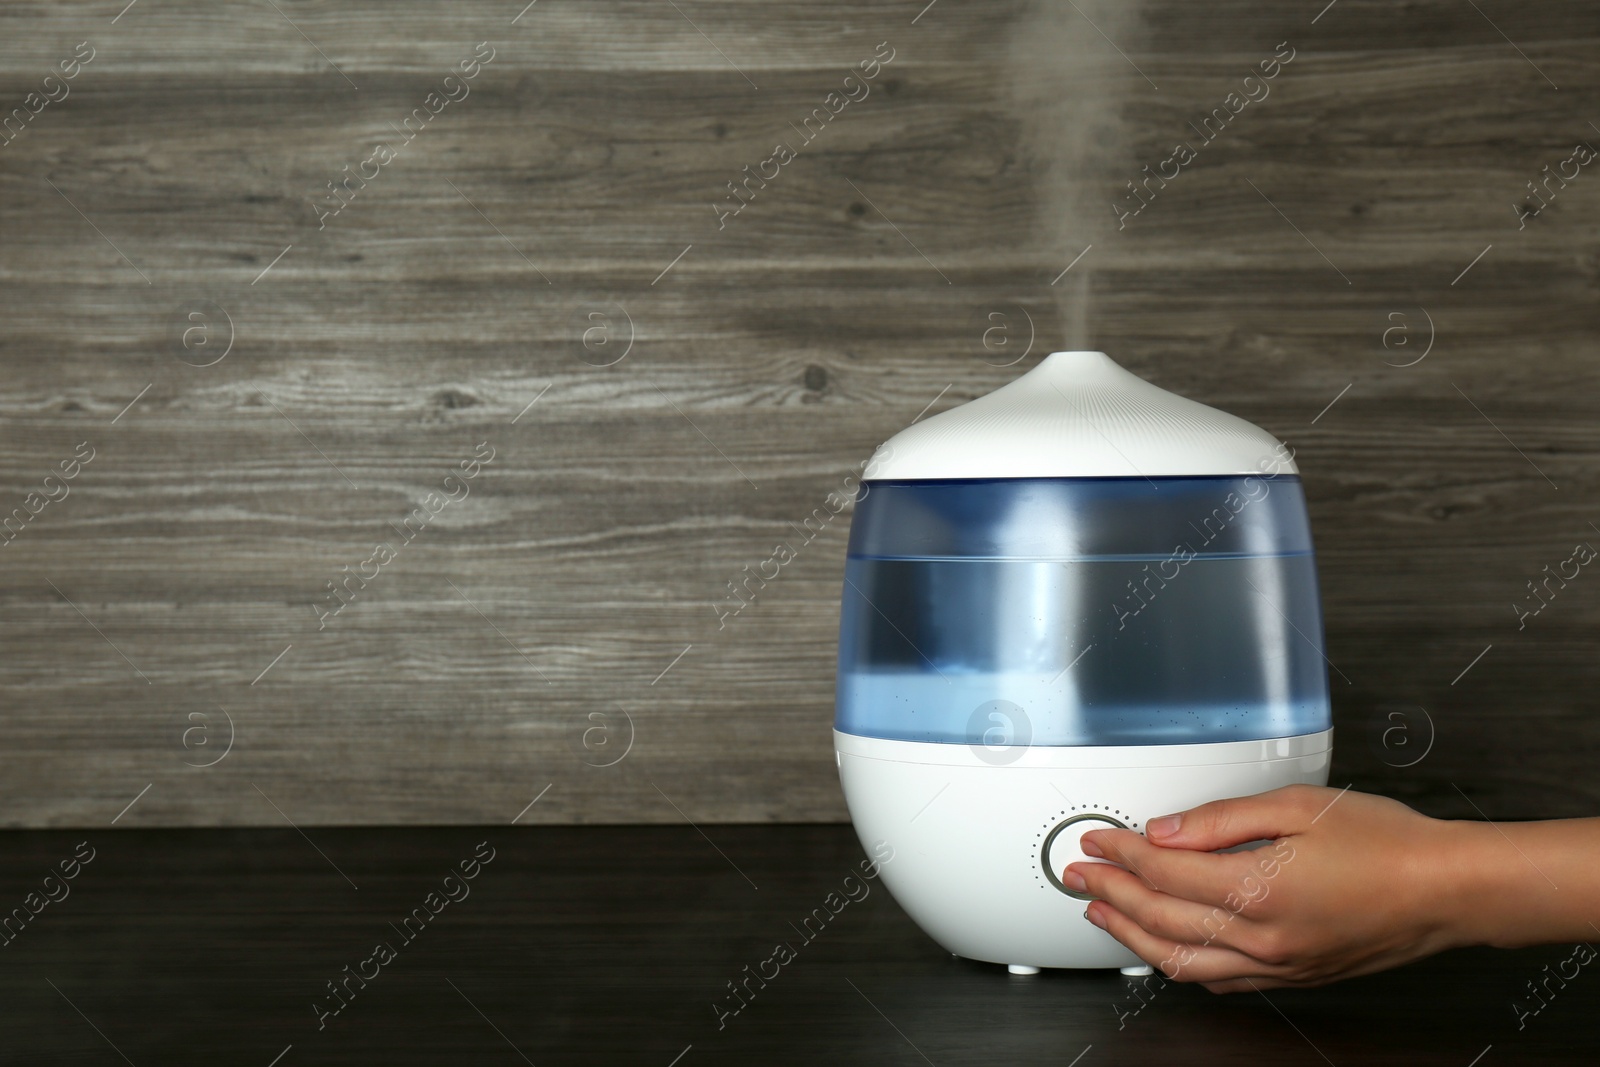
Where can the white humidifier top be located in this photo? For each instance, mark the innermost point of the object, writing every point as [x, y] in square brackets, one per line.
[1077, 415]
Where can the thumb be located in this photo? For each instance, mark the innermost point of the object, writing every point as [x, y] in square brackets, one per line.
[1225, 823]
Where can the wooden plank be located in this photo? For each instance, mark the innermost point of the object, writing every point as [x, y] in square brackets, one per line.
[229, 38]
[553, 942]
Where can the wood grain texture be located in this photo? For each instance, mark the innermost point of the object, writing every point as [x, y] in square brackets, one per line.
[467, 280]
[616, 945]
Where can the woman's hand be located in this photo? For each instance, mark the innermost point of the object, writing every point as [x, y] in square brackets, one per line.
[1349, 883]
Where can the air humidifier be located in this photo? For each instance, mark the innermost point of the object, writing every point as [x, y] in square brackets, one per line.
[1075, 603]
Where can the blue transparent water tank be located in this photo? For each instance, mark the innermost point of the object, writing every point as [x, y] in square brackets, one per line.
[1081, 559]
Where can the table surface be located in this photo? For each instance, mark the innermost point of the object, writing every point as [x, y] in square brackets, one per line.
[616, 944]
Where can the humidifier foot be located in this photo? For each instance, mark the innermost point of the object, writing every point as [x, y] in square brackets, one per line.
[1022, 968]
[1138, 970]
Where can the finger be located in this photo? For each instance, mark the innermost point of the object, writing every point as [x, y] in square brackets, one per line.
[1225, 823]
[1176, 960]
[1247, 985]
[1163, 915]
[1231, 880]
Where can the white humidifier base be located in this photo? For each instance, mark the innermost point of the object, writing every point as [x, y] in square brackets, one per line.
[981, 836]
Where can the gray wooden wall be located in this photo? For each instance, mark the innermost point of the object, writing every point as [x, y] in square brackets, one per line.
[699, 386]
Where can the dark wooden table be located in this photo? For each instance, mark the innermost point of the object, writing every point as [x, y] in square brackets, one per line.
[613, 944]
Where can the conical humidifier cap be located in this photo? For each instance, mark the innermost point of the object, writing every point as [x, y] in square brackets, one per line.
[1078, 415]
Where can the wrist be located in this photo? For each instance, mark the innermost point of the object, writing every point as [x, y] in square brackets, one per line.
[1478, 904]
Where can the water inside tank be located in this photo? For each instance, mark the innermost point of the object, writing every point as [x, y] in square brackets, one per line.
[1067, 611]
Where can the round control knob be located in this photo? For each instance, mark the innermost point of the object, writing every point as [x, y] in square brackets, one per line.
[1061, 847]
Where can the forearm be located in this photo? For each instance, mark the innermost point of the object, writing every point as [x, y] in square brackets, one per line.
[1514, 884]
